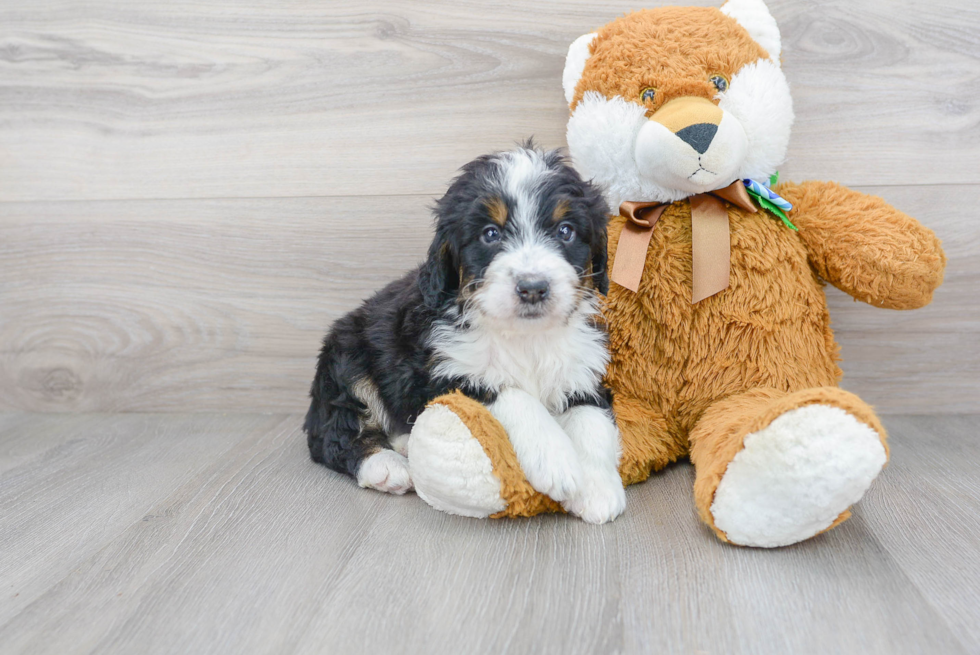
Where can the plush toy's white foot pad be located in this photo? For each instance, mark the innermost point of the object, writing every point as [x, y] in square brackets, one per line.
[451, 471]
[794, 477]
[385, 471]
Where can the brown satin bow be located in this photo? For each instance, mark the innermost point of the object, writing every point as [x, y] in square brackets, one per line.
[710, 239]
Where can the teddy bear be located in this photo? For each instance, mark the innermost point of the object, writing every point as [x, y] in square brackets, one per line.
[719, 333]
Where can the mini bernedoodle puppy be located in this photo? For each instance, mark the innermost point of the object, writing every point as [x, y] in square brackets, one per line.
[504, 309]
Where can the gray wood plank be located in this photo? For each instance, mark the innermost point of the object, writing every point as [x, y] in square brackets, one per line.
[262, 551]
[116, 99]
[927, 514]
[236, 559]
[198, 305]
[541, 585]
[220, 301]
[25, 437]
[58, 510]
[837, 593]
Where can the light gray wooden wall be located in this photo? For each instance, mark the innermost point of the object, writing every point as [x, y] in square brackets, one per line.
[190, 192]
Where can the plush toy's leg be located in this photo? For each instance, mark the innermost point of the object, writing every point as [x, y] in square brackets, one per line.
[774, 468]
[462, 462]
[647, 443]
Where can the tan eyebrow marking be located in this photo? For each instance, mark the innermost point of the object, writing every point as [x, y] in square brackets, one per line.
[498, 210]
[560, 210]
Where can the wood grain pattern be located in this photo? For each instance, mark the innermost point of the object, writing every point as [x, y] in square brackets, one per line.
[27, 437]
[929, 517]
[61, 508]
[219, 98]
[197, 305]
[120, 306]
[752, 600]
[216, 298]
[253, 548]
[190, 192]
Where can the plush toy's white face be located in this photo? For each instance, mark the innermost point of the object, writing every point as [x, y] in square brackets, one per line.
[671, 102]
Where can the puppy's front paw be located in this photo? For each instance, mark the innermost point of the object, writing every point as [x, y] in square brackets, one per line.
[559, 476]
[601, 498]
[385, 471]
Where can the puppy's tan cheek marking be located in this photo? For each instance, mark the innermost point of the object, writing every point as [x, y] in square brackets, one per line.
[466, 289]
[498, 211]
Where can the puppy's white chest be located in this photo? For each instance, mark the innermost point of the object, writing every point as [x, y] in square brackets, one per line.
[550, 366]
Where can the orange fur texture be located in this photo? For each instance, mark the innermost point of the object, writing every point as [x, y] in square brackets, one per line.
[692, 380]
[676, 45]
[517, 492]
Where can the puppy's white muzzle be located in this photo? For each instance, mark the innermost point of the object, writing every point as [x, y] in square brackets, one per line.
[529, 286]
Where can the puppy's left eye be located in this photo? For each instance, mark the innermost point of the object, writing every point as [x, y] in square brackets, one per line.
[720, 82]
[490, 235]
[566, 232]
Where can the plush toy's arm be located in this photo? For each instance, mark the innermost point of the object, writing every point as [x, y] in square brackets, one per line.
[462, 462]
[864, 246]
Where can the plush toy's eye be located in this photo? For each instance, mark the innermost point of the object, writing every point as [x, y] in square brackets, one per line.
[490, 235]
[566, 232]
[720, 82]
[648, 94]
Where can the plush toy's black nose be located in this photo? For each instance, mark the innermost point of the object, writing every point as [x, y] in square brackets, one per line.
[532, 291]
[698, 136]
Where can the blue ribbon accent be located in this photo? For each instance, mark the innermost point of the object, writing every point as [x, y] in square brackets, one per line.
[764, 191]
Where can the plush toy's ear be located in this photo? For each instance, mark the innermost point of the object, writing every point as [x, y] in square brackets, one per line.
[578, 54]
[438, 277]
[754, 16]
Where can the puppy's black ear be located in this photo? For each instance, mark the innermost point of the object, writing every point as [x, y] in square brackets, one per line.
[600, 259]
[438, 277]
[599, 215]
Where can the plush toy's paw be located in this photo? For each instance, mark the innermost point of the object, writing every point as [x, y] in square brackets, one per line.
[796, 476]
[385, 471]
[463, 463]
[600, 498]
[451, 470]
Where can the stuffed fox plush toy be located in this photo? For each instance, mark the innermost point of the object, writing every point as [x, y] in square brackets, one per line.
[720, 339]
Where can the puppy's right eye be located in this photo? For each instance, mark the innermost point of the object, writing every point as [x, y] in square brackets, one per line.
[490, 235]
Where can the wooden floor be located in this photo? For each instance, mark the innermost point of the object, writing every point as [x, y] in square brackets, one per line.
[216, 534]
[191, 192]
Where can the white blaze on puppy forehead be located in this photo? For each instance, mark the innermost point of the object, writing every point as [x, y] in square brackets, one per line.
[528, 251]
[522, 173]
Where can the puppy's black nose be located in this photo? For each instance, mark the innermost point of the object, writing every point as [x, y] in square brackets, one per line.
[532, 291]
